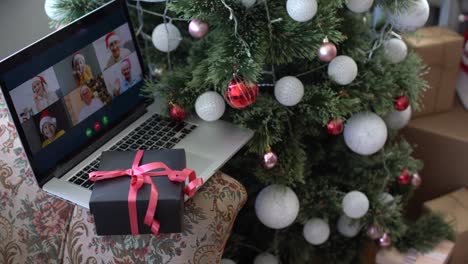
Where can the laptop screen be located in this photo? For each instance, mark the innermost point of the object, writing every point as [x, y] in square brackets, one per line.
[67, 92]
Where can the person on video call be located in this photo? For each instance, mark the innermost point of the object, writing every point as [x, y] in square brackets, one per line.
[128, 79]
[117, 53]
[42, 97]
[48, 127]
[81, 72]
[91, 104]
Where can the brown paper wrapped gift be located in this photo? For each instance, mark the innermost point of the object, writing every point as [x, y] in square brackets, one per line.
[439, 255]
[454, 207]
[441, 50]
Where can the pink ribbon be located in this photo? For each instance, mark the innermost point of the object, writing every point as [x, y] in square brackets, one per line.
[142, 174]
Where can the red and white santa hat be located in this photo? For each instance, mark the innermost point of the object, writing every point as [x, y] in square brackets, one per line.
[46, 117]
[111, 37]
[77, 56]
[40, 79]
[125, 62]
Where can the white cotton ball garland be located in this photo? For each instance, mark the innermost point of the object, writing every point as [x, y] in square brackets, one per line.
[395, 50]
[266, 258]
[210, 106]
[355, 204]
[348, 227]
[365, 133]
[301, 10]
[398, 119]
[316, 231]
[289, 90]
[166, 37]
[51, 11]
[277, 206]
[343, 70]
[359, 6]
[407, 20]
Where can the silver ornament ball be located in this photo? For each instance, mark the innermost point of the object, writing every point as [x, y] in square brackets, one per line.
[348, 227]
[412, 18]
[316, 231]
[266, 258]
[198, 29]
[301, 10]
[343, 70]
[395, 50]
[166, 37]
[359, 6]
[210, 106]
[289, 90]
[365, 133]
[277, 206]
[396, 120]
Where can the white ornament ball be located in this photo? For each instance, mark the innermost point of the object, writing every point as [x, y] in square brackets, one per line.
[301, 10]
[277, 206]
[343, 70]
[227, 261]
[51, 11]
[398, 119]
[166, 37]
[316, 231]
[266, 258]
[248, 3]
[365, 133]
[355, 204]
[395, 50]
[412, 18]
[359, 6]
[386, 198]
[289, 90]
[348, 227]
[210, 106]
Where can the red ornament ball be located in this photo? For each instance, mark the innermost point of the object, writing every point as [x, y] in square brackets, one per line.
[269, 160]
[404, 178]
[177, 113]
[97, 126]
[327, 51]
[416, 181]
[385, 240]
[241, 94]
[401, 103]
[335, 127]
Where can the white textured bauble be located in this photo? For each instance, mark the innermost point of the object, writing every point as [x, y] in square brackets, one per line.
[277, 206]
[359, 6]
[365, 133]
[343, 70]
[166, 37]
[248, 3]
[301, 10]
[398, 119]
[355, 204]
[289, 90]
[348, 227]
[316, 231]
[386, 198]
[266, 258]
[210, 106]
[51, 11]
[412, 18]
[227, 261]
[395, 50]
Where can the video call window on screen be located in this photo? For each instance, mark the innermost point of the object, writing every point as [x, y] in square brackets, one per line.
[62, 96]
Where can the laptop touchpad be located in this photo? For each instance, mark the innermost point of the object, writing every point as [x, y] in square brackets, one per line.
[197, 162]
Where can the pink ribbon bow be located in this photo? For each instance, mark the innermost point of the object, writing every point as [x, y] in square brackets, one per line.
[142, 174]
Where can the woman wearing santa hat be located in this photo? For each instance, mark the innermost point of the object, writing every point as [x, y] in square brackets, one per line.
[81, 71]
[117, 53]
[48, 127]
[42, 97]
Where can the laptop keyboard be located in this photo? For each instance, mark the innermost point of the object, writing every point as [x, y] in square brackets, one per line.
[155, 133]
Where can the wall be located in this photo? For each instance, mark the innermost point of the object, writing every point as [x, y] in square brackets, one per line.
[21, 23]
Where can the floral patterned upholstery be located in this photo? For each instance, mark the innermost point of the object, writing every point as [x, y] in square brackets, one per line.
[38, 228]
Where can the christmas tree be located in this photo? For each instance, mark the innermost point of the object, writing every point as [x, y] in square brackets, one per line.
[325, 85]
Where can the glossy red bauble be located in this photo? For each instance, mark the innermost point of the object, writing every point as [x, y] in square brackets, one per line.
[335, 127]
[241, 94]
[405, 177]
[177, 113]
[401, 103]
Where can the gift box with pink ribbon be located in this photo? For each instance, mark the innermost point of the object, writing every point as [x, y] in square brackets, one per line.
[141, 192]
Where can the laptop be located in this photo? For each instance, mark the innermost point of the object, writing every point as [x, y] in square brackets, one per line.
[77, 92]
